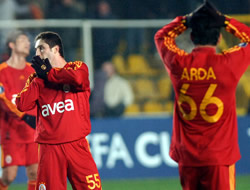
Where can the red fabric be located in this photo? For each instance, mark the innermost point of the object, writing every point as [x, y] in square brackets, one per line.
[72, 160]
[14, 154]
[63, 104]
[204, 121]
[2, 186]
[207, 177]
[13, 129]
[31, 185]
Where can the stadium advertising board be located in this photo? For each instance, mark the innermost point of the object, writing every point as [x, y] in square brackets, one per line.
[138, 148]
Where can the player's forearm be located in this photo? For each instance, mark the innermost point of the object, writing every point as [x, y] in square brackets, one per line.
[171, 30]
[238, 29]
[165, 38]
[76, 78]
[24, 103]
[8, 107]
[26, 99]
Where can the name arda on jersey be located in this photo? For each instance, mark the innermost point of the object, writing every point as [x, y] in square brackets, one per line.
[198, 74]
[58, 107]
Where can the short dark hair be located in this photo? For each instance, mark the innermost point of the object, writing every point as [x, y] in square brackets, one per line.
[52, 39]
[202, 33]
[12, 37]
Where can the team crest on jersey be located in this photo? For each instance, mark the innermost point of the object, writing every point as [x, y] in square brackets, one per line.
[244, 44]
[66, 88]
[1, 89]
[8, 159]
[42, 186]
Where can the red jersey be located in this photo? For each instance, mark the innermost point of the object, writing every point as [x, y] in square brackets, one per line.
[62, 103]
[204, 120]
[12, 128]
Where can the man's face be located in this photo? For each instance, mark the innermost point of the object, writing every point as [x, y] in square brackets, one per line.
[22, 45]
[44, 51]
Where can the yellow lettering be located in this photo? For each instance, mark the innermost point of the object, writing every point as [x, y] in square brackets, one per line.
[193, 74]
[198, 74]
[209, 98]
[202, 73]
[185, 74]
[210, 74]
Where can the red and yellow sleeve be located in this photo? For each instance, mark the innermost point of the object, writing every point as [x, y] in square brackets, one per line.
[238, 29]
[7, 105]
[165, 37]
[238, 56]
[74, 73]
[26, 99]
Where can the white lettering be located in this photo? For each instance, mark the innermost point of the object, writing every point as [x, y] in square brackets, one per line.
[13, 100]
[118, 151]
[53, 111]
[151, 150]
[45, 111]
[60, 107]
[97, 148]
[248, 132]
[69, 106]
[164, 147]
[141, 144]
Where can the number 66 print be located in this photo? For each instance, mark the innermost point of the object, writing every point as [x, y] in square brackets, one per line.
[207, 99]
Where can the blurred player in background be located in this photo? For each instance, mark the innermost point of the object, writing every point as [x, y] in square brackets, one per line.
[17, 136]
[205, 135]
[61, 92]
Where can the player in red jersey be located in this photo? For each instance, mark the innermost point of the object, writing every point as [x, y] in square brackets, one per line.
[205, 138]
[17, 138]
[61, 91]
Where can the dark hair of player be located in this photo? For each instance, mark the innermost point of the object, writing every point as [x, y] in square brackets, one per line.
[202, 33]
[12, 37]
[52, 39]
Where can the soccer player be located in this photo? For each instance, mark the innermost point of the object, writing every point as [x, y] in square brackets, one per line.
[205, 138]
[17, 137]
[61, 91]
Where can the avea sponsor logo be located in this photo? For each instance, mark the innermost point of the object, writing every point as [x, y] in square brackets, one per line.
[59, 107]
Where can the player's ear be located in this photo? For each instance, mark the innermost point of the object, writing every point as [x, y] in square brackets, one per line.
[55, 49]
[11, 45]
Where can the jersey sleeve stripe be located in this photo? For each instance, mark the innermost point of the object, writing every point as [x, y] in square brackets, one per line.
[169, 40]
[242, 35]
[74, 65]
[27, 84]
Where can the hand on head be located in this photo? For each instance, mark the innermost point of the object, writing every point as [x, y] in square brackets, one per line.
[206, 16]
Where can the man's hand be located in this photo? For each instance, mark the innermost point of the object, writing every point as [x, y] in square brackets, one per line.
[217, 17]
[205, 13]
[188, 17]
[42, 67]
[30, 120]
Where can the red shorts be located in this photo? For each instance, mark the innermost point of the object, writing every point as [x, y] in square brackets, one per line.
[207, 177]
[19, 154]
[72, 160]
